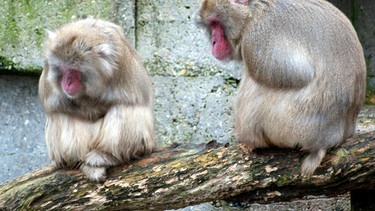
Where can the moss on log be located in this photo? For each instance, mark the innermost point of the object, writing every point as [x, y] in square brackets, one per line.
[186, 175]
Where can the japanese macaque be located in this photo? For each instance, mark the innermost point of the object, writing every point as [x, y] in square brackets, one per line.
[97, 96]
[304, 72]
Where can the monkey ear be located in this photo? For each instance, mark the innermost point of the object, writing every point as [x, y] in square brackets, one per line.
[107, 55]
[242, 2]
[104, 50]
[51, 35]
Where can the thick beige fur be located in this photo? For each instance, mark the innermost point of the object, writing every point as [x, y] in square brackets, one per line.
[304, 78]
[111, 121]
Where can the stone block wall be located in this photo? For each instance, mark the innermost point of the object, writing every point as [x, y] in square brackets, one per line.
[162, 31]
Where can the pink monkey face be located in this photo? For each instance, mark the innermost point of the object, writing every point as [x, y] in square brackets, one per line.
[220, 46]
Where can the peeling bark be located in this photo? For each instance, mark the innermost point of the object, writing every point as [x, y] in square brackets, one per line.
[186, 175]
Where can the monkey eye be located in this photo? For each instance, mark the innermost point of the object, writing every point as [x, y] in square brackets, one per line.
[214, 23]
[54, 68]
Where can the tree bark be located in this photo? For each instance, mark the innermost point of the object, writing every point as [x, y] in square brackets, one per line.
[186, 175]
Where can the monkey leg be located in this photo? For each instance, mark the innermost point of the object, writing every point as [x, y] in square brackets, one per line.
[127, 132]
[249, 115]
[68, 138]
[251, 137]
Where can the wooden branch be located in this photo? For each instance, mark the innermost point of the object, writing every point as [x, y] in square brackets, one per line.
[182, 176]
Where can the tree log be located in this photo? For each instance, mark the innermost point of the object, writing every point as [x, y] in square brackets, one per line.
[186, 175]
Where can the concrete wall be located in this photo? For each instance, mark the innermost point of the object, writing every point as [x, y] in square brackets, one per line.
[361, 13]
[193, 99]
[175, 51]
[163, 31]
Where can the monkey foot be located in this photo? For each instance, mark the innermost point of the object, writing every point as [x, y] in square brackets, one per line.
[100, 159]
[94, 173]
[247, 149]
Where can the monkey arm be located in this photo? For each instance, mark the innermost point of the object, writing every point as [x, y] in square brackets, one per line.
[284, 64]
[126, 131]
[186, 175]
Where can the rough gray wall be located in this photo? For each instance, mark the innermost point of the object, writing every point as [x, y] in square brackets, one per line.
[196, 89]
[22, 147]
[361, 13]
[364, 21]
[163, 30]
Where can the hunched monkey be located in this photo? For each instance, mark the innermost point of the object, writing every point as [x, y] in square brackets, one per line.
[304, 72]
[97, 96]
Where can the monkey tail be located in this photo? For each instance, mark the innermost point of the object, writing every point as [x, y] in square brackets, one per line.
[312, 161]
